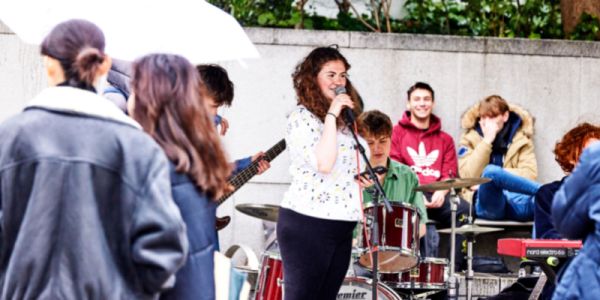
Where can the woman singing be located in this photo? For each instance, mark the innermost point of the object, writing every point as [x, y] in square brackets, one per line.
[167, 104]
[321, 207]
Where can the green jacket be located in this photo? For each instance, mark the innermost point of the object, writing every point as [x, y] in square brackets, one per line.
[399, 185]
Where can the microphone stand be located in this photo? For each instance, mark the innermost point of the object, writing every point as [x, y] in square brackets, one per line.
[377, 193]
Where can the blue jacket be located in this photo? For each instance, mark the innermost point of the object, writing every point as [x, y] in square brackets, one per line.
[576, 215]
[196, 279]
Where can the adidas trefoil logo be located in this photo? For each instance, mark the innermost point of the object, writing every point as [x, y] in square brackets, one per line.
[423, 160]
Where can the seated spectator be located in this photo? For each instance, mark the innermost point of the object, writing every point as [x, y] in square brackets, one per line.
[419, 142]
[498, 144]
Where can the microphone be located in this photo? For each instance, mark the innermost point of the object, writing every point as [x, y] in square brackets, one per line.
[347, 113]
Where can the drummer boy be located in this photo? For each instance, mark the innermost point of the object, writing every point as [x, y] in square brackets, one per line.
[399, 181]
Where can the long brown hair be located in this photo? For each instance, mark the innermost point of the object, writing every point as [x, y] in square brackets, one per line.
[79, 47]
[169, 108]
[305, 82]
[569, 148]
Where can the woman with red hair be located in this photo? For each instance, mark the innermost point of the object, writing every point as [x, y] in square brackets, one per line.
[566, 153]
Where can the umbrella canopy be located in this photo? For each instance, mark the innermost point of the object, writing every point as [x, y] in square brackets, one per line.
[195, 29]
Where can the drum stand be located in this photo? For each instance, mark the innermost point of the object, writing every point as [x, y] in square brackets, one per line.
[470, 237]
[377, 194]
[468, 230]
[452, 278]
[470, 240]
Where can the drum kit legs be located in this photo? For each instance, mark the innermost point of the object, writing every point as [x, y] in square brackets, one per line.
[402, 270]
[468, 230]
[403, 274]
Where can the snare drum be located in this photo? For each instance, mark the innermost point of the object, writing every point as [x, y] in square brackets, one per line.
[360, 288]
[431, 273]
[398, 238]
[270, 278]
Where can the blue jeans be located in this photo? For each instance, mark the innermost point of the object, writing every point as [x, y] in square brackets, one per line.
[507, 196]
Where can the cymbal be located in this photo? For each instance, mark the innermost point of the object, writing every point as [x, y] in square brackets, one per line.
[265, 212]
[454, 183]
[471, 229]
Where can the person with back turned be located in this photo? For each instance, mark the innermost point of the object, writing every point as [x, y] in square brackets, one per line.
[87, 211]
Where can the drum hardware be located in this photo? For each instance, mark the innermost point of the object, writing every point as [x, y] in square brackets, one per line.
[378, 194]
[453, 183]
[270, 279]
[267, 212]
[399, 247]
[251, 263]
[469, 230]
[429, 274]
[360, 288]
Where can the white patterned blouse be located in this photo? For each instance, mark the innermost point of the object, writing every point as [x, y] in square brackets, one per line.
[334, 196]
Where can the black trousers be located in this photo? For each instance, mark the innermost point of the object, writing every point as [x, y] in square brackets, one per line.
[443, 215]
[315, 254]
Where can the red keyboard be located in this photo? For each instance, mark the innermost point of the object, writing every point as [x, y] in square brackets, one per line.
[538, 248]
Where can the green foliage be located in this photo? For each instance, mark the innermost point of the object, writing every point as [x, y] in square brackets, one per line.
[587, 29]
[501, 18]
[533, 19]
[264, 13]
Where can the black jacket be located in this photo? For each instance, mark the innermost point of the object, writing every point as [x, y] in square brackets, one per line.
[544, 229]
[86, 203]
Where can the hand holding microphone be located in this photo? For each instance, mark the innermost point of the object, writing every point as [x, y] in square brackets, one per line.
[342, 103]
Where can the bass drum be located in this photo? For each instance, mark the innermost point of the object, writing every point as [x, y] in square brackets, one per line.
[355, 288]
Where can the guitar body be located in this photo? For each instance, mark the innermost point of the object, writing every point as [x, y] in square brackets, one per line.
[241, 178]
[222, 222]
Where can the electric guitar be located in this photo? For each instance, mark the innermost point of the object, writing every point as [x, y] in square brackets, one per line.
[239, 179]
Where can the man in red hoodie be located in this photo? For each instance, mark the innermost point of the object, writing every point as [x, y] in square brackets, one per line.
[419, 142]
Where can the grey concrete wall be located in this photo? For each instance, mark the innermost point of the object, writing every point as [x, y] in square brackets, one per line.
[21, 75]
[555, 80]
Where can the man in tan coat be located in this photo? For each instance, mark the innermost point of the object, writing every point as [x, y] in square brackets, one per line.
[497, 144]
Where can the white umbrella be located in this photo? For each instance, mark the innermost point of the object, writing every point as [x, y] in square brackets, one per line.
[193, 28]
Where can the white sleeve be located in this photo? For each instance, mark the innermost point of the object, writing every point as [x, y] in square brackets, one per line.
[302, 135]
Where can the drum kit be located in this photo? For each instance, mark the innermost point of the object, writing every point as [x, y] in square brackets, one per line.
[403, 273]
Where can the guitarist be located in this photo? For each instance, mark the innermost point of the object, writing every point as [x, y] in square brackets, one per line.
[217, 91]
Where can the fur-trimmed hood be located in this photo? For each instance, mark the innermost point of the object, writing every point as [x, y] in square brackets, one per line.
[469, 118]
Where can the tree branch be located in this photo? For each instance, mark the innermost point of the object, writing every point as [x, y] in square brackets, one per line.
[360, 18]
[375, 12]
[386, 10]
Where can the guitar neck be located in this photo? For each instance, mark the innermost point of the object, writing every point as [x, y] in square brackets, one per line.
[239, 179]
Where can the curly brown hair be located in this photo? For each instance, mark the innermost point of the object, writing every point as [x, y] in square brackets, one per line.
[569, 148]
[308, 91]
